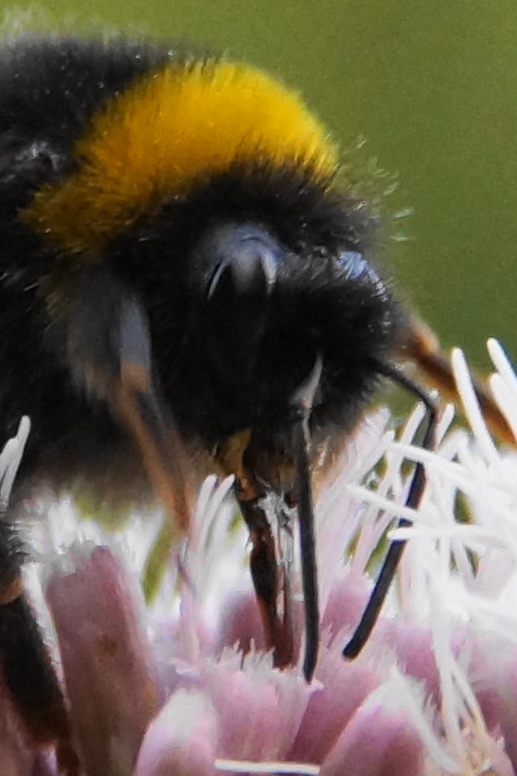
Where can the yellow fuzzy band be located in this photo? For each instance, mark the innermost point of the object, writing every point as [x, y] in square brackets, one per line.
[164, 135]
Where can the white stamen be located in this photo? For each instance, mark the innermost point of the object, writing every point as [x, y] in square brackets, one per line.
[247, 766]
[10, 459]
[471, 406]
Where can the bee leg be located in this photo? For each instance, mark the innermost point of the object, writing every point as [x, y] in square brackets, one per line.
[27, 669]
[110, 346]
[423, 348]
[135, 398]
[396, 549]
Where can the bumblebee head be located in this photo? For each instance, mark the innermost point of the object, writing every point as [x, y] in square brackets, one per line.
[206, 192]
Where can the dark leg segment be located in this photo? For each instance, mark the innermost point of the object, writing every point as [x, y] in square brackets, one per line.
[394, 554]
[26, 667]
[308, 553]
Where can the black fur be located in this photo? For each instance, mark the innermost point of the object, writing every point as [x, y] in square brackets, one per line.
[49, 89]
[314, 307]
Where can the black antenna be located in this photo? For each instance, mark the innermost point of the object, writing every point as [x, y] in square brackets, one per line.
[394, 554]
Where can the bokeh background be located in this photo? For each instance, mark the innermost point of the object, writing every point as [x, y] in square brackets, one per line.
[432, 89]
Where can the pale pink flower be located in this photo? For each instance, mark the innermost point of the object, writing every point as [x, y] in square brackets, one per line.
[185, 686]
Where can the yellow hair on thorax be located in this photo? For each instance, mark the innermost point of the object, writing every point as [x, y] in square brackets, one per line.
[165, 134]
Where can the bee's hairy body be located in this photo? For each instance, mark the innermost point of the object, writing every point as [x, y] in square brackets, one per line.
[180, 272]
[50, 92]
[49, 89]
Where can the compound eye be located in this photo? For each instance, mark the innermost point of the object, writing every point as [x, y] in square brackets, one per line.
[355, 266]
[248, 261]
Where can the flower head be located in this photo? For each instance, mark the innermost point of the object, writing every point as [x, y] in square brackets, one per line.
[186, 687]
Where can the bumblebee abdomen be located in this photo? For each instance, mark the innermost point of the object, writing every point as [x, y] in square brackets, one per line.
[51, 86]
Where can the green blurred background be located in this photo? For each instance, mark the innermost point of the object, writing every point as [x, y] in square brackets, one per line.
[432, 87]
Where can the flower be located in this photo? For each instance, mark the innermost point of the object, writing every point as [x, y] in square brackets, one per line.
[185, 686]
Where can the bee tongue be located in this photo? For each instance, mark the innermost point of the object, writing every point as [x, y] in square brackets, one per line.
[259, 472]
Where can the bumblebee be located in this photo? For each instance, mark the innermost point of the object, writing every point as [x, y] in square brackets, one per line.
[186, 285]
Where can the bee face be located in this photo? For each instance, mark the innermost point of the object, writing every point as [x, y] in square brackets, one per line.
[254, 275]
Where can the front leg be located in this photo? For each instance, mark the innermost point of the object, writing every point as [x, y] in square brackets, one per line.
[26, 666]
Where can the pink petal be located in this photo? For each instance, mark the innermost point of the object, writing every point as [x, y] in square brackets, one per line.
[493, 675]
[344, 687]
[105, 661]
[345, 604]
[259, 709]
[377, 742]
[413, 647]
[241, 626]
[181, 740]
